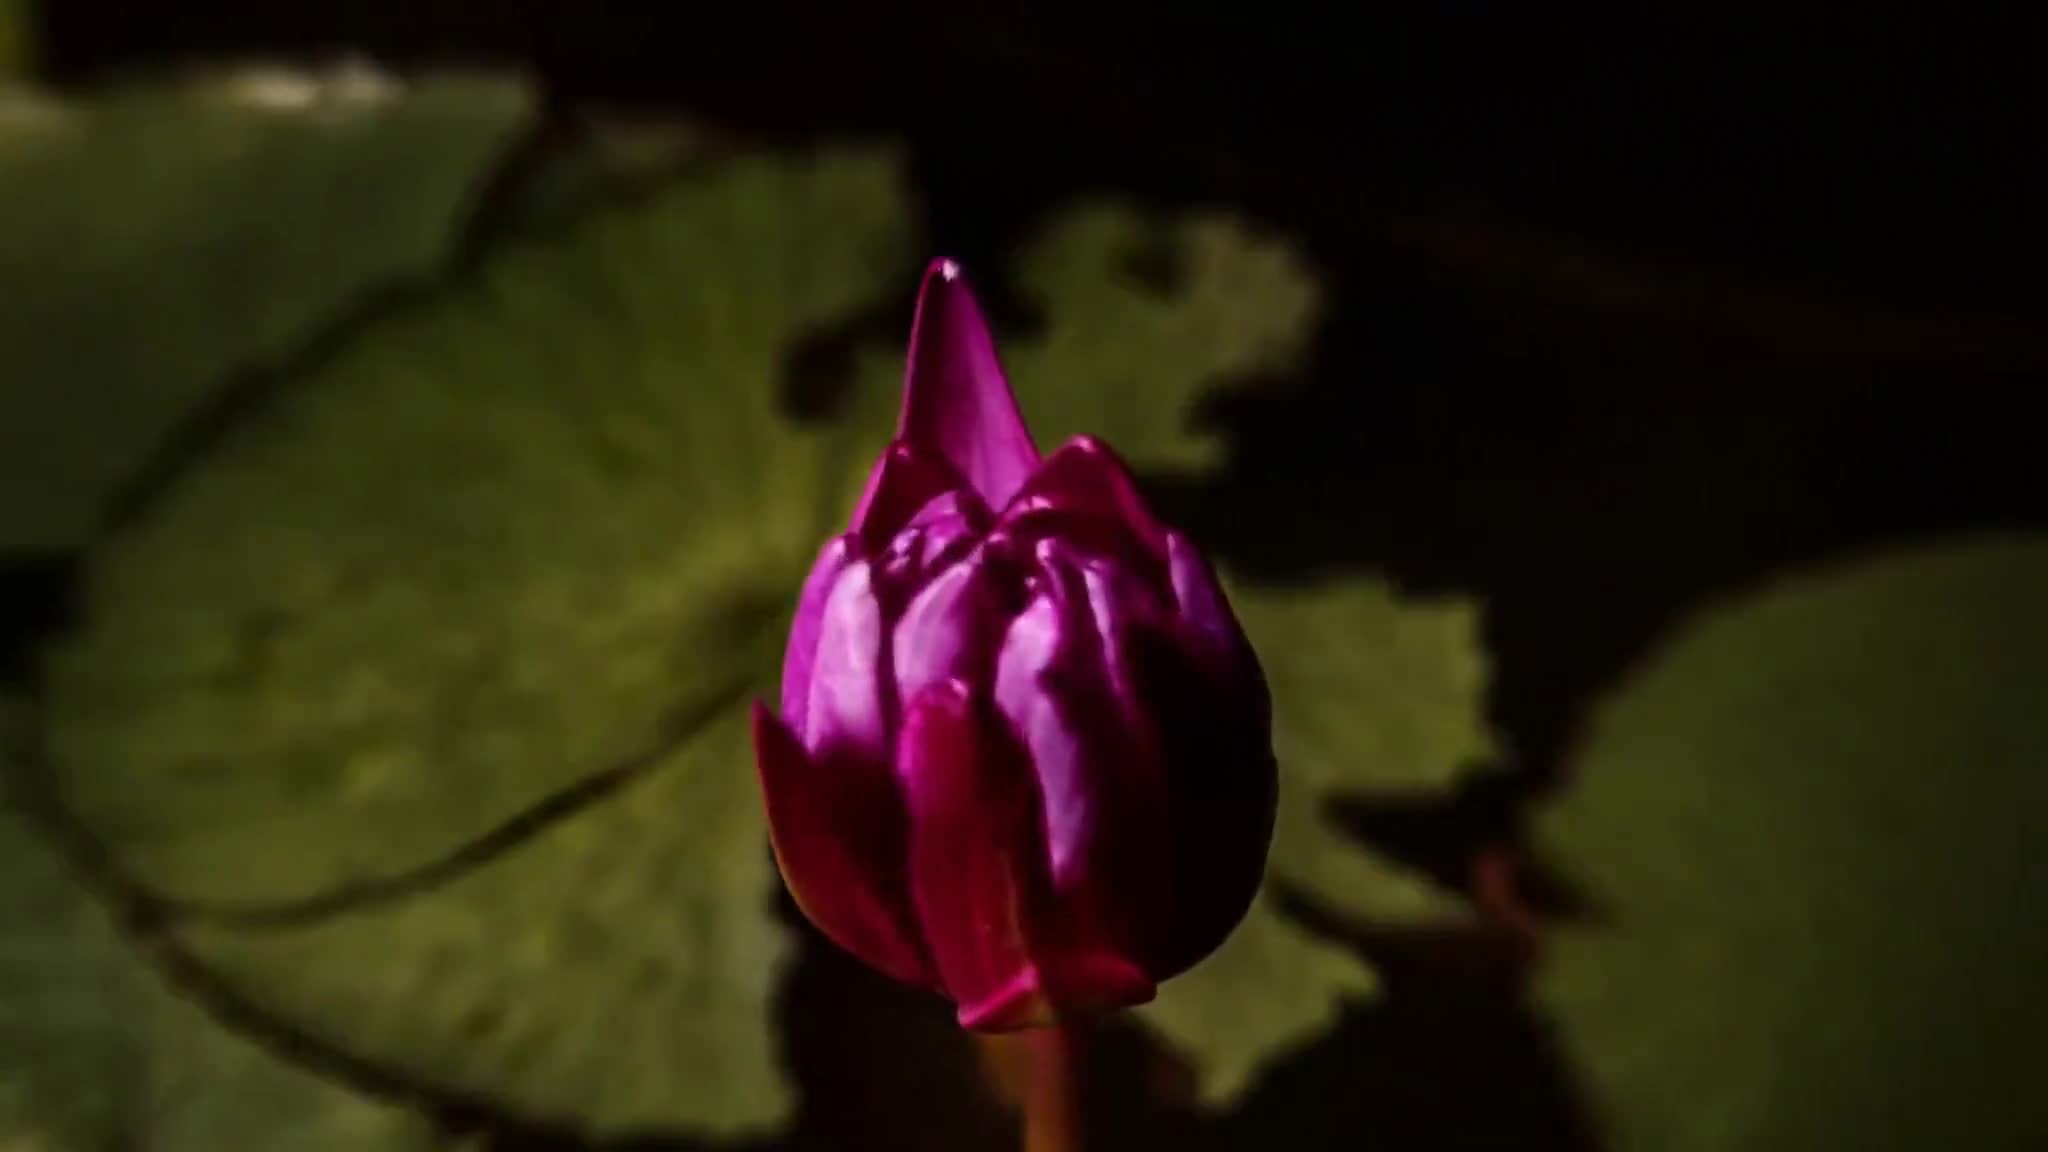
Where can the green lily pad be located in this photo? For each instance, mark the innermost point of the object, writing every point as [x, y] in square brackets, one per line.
[605, 162]
[16, 49]
[503, 543]
[1811, 832]
[1373, 696]
[96, 1053]
[616, 973]
[155, 241]
[527, 536]
[1124, 357]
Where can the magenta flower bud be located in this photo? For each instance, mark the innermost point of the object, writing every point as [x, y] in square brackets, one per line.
[1024, 756]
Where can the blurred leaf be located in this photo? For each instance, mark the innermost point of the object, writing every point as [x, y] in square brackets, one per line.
[1815, 824]
[502, 543]
[17, 46]
[155, 241]
[1126, 353]
[1372, 697]
[617, 972]
[604, 162]
[95, 1053]
[528, 536]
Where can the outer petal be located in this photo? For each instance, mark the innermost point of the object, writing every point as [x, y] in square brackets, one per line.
[802, 651]
[974, 853]
[1086, 477]
[847, 709]
[1221, 792]
[1218, 640]
[837, 828]
[956, 400]
[1096, 761]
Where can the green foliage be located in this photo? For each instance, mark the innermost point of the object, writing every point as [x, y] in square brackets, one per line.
[96, 1053]
[1810, 831]
[17, 47]
[1125, 360]
[603, 162]
[524, 536]
[154, 241]
[503, 542]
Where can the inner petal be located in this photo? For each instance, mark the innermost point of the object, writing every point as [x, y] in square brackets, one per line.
[903, 483]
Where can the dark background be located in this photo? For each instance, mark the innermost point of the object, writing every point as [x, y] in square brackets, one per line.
[1630, 309]
[1631, 305]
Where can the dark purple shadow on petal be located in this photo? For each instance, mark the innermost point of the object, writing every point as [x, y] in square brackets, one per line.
[957, 401]
[836, 822]
[1211, 626]
[1222, 789]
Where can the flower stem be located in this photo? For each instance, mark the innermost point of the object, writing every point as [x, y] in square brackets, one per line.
[1052, 1105]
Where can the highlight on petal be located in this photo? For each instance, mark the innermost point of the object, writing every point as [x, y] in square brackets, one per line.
[950, 630]
[945, 530]
[957, 401]
[801, 653]
[1060, 684]
[976, 866]
[846, 710]
[836, 825]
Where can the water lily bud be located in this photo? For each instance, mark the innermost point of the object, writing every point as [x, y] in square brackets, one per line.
[1024, 754]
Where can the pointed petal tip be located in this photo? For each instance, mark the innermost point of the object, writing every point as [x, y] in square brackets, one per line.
[957, 401]
[945, 279]
[947, 306]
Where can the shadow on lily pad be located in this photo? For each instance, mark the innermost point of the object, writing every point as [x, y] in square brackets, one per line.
[1451, 1056]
